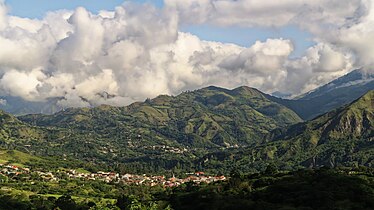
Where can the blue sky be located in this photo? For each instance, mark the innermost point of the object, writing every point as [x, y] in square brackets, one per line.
[248, 36]
[37, 8]
[237, 35]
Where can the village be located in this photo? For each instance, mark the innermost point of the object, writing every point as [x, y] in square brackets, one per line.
[12, 171]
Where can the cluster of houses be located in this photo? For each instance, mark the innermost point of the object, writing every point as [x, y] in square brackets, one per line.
[11, 170]
[166, 149]
[198, 177]
[131, 179]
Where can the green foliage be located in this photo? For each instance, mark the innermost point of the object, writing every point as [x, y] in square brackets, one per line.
[271, 169]
[324, 188]
[304, 189]
[65, 202]
[133, 203]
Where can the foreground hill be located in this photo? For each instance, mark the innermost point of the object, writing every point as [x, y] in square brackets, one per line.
[302, 189]
[342, 188]
[343, 137]
[335, 94]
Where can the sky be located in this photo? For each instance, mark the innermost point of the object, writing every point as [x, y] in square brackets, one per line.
[38, 8]
[91, 52]
[242, 36]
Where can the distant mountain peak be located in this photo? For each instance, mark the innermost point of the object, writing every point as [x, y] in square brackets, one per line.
[355, 77]
[279, 94]
[337, 93]
[212, 88]
[355, 120]
[245, 90]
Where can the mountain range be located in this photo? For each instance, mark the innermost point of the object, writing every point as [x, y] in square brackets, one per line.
[160, 133]
[337, 93]
[210, 129]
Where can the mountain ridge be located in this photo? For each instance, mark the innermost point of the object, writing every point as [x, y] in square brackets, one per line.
[211, 106]
[342, 137]
[336, 93]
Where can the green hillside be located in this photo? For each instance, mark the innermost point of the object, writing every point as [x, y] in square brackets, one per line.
[14, 132]
[16, 157]
[209, 117]
[343, 137]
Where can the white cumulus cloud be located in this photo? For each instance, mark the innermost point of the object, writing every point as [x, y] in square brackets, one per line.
[137, 51]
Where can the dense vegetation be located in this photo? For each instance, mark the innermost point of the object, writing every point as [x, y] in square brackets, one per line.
[324, 188]
[210, 117]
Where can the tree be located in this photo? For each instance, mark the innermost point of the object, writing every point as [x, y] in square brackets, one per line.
[271, 169]
[65, 202]
[3, 179]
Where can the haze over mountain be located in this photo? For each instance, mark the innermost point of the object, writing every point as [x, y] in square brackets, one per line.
[356, 80]
[337, 93]
[333, 95]
[19, 106]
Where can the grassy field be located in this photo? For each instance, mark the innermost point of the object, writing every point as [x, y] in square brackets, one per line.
[16, 158]
[26, 194]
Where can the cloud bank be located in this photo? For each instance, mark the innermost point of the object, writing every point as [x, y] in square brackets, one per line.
[137, 51]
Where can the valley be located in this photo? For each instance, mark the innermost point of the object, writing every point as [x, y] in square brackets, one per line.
[160, 143]
[187, 105]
